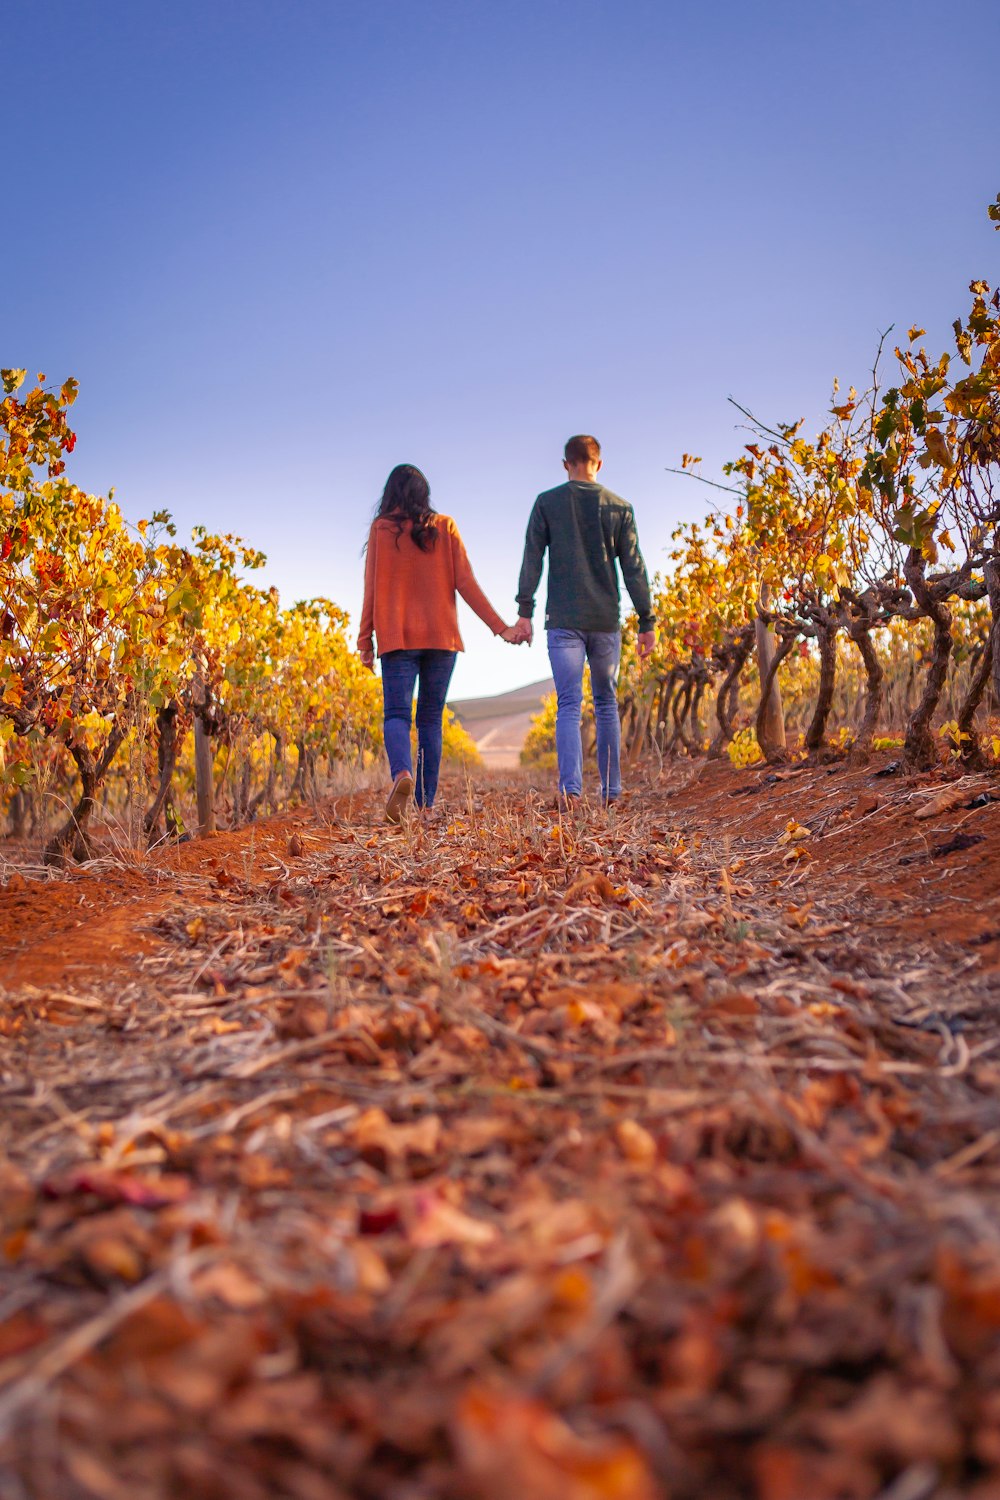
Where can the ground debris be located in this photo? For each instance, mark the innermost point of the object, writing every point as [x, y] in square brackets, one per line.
[608, 1156]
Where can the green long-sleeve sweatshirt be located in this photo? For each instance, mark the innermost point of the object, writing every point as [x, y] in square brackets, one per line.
[587, 530]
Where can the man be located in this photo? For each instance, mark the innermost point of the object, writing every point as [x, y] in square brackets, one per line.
[586, 530]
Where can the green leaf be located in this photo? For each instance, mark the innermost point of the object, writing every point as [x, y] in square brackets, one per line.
[886, 426]
[912, 528]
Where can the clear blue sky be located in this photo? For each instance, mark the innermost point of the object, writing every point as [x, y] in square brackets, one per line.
[284, 246]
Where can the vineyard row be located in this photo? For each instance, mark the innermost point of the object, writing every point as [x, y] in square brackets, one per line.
[121, 646]
[124, 652]
[887, 519]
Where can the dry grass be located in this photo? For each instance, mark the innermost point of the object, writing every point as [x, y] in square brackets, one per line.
[606, 1155]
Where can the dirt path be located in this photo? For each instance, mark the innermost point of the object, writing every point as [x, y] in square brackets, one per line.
[499, 741]
[652, 1153]
[99, 923]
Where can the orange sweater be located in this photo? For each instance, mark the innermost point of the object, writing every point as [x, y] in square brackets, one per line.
[410, 595]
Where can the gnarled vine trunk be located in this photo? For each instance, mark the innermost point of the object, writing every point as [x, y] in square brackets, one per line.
[826, 639]
[641, 727]
[167, 750]
[970, 748]
[992, 575]
[626, 714]
[860, 633]
[773, 748]
[18, 814]
[266, 793]
[919, 745]
[588, 739]
[305, 772]
[659, 735]
[770, 714]
[694, 714]
[727, 698]
[298, 786]
[682, 704]
[660, 722]
[73, 839]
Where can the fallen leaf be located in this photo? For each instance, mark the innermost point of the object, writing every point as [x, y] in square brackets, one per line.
[635, 1143]
[231, 1285]
[949, 797]
[119, 1187]
[374, 1130]
[592, 885]
[510, 1446]
[432, 1222]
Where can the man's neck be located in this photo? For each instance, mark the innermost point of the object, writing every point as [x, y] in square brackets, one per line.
[582, 473]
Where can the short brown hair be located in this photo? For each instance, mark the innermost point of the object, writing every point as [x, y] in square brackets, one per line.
[582, 450]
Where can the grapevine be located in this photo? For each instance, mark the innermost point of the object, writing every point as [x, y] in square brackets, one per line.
[879, 529]
[116, 638]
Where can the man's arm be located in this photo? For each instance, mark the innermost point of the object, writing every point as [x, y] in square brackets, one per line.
[634, 573]
[535, 542]
[637, 581]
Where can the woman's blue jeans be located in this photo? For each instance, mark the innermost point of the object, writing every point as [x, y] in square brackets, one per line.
[401, 671]
[569, 650]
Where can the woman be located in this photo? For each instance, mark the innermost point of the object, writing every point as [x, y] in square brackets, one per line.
[415, 564]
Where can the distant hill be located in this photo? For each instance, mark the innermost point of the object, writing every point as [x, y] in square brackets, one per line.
[500, 724]
[526, 699]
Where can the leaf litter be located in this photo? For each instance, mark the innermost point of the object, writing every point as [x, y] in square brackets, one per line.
[604, 1156]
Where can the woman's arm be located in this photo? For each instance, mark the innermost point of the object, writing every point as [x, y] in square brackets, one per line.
[465, 583]
[368, 606]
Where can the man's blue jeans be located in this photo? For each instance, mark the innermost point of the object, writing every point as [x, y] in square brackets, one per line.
[401, 670]
[568, 651]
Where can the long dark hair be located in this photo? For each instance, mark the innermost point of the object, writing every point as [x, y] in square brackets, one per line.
[407, 497]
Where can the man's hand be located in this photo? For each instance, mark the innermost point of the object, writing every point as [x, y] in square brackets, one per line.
[646, 643]
[518, 634]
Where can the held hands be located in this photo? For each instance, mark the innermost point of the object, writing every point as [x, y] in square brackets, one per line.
[522, 632]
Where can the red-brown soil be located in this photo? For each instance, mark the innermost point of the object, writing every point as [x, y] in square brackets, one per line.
[90, 926]
[74, 928]
[610, 1157]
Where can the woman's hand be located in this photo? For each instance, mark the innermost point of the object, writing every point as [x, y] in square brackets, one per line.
[367, 654]
[516, 635]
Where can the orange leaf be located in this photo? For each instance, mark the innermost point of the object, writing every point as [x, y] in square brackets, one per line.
[511, 1446]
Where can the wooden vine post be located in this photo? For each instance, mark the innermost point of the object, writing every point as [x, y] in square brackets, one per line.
[774, 716]
[204, 781]
[992, 574]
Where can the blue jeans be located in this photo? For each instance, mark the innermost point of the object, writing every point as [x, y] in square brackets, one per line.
[568, 651]
[400, 672]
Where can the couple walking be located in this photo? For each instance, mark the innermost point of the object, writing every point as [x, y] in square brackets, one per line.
[416, 563]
